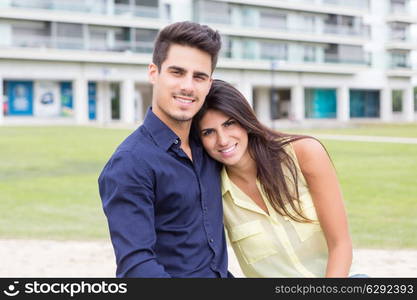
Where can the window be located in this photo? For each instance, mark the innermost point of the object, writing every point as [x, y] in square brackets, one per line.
[399, 60]
[31, 34]
[152, 3]
[144, 40]
[274, 51]
[308, 23]
[399, 31]
[69, 36]
[344, 54]
[273, 19]
[215, 12]
[98, 38]
[397, 100]
[415, 99]
[398, 6]
[309, 54]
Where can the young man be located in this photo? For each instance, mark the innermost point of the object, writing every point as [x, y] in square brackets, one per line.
[160, 190]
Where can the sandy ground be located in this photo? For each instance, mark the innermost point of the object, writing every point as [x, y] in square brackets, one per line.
[40, 258]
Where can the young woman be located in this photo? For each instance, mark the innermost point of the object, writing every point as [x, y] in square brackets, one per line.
[283, 207]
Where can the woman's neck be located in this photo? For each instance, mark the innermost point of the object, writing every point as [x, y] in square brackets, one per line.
[245, 170]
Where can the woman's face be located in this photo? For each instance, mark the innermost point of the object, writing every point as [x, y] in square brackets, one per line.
[224, 139]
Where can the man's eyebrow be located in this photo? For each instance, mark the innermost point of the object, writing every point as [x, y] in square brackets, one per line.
[176, 68]
[197, 73]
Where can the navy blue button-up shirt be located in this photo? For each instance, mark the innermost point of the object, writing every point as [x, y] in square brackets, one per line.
[164, 211]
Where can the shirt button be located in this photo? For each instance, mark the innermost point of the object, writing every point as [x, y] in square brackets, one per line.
[211, 240]
[176, 142]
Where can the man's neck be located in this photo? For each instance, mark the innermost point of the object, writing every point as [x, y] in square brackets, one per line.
[180, 128]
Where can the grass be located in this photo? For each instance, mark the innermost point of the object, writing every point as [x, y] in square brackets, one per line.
[394, 130]
[48, 184]
[48, 181]
[379, 186]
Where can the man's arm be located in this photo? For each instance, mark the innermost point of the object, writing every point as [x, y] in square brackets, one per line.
[126, 190]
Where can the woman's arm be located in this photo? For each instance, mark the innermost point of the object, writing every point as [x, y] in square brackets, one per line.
[324, 188]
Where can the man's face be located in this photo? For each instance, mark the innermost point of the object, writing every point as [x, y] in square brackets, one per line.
[182, 84]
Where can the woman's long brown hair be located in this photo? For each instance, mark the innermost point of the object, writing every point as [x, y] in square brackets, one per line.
[265, 146]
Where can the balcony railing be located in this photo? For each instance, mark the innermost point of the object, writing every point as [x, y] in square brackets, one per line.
[358, 4]
[136, 11]
[80, 44]
[399, 64]
[366, 59]
[98, 7]
[215, 18]
[68, 43]
[281, 27]
[32, 41]
[398, 9]
[362, 31]
[400, 37]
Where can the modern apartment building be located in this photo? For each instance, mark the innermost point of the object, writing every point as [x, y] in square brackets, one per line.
[296, 61]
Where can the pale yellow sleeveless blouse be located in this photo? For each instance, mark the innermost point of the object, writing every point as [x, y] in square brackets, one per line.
[273, 245]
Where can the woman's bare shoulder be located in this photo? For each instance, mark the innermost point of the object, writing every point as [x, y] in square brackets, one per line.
[310, 153]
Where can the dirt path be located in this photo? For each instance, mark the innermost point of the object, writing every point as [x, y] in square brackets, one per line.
[40, 258]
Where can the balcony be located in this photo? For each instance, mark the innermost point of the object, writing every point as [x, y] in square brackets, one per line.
[366, 59]
[400, 13]
[363, 31]
[98, 7]
[344, 7]
[68, 43]
[400, 40]
[399, 64]
[303, 32]
[284, 54]
[356, 4]
[136, 11]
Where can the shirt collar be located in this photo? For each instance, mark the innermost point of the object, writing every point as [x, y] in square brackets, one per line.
[160, 132]
[237, 196]
[226, 185]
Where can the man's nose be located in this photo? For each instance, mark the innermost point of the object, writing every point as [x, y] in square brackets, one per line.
[187, 85]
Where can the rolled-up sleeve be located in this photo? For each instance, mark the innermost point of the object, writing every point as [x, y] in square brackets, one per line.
[127, 194]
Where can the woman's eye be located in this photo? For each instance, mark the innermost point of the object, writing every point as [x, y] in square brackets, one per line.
[228, 123]
[207, 132]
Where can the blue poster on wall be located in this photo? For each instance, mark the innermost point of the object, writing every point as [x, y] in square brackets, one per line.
[20, 95]
[67, 108]
[92, 100]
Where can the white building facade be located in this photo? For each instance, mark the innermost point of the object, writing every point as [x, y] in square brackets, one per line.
[296, 61]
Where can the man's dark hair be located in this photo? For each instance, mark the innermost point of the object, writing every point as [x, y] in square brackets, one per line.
[189, 34]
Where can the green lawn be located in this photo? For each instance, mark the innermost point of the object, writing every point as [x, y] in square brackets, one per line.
[394, 130]
[48, 184]
[48, 181]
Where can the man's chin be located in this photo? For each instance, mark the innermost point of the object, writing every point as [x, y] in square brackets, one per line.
[182, 117]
